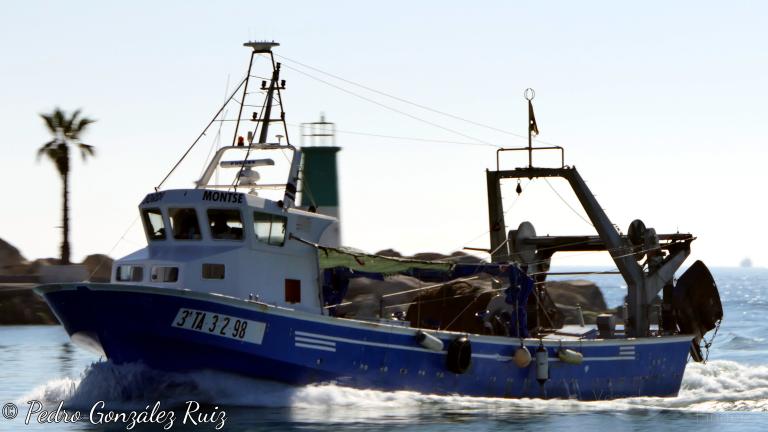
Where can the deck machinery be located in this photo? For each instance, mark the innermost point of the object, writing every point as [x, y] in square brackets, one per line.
[646, 260]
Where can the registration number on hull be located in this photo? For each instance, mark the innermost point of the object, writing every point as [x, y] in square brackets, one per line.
[220, 325]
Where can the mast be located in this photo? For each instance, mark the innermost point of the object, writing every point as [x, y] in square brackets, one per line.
[268, 102]
[275, 85]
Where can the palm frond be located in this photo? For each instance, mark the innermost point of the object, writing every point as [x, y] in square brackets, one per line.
[58, 117]
[70, 123]
[84, 122]
[45, 149]
[50, 122]
[86, 150]
[66, 131]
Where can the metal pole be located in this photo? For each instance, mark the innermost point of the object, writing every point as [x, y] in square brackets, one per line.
[529, 94]
[530, 149]
[242, 102]
[268, 109]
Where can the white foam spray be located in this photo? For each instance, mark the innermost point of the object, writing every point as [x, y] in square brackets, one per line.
[718, 386]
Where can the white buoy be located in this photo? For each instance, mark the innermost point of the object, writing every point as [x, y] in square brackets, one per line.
[522, 357]
[428, 341]
[542, 365]
[570, 356]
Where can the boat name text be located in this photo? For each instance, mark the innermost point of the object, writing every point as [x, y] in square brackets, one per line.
[153, 197]
[225, 197]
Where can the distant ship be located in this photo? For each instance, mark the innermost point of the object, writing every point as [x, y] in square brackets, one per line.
[746, 263]
[236, 282]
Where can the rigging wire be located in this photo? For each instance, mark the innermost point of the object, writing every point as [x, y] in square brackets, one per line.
[567, 204]
[216, 142]
[477, 276]
[514, 201]
[409, 291]
[122, 237]
[367, 99]
[400, 99]
[431, 140]
[461, 313]
[440, 299]
[157, 188]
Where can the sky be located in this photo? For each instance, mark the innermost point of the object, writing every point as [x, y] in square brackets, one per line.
[660, 105]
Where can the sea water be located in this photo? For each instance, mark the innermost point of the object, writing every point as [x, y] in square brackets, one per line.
[728, 393]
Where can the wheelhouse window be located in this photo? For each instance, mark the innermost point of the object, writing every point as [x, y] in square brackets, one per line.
[153, 224]
[165, 274]
[129, 273]
[225, 224]
[269, 228]
[213, 271]
[184, 224]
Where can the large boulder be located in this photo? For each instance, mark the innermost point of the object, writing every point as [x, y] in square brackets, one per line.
[99, 267]
[455, 257]
[568, 295]
[389, 253]
[11, 260]
[36, 265]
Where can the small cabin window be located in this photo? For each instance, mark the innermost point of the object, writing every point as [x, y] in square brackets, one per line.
[165, 274]
[292, 291]
[129, 273]
[213, 271]
[153, 224]
[184, 224]
[269, 228]
[225, 224]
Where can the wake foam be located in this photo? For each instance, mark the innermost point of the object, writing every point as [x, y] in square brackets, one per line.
[717, 386]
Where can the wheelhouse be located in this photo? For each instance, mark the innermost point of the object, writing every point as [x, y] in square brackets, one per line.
[231, 243]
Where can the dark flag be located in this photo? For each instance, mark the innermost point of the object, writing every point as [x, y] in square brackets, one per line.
[533, 128]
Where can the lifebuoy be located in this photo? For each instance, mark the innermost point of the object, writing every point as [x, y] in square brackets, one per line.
[459, 355]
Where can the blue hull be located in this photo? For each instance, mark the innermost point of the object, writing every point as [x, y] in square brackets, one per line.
[136, 324]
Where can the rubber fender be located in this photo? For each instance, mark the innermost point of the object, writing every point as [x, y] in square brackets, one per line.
[570, 356]
[459, 355]
[542, 365]
[522, 357]
[428, 341]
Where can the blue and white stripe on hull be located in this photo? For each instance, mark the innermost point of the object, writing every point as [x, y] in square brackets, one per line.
[142, 324]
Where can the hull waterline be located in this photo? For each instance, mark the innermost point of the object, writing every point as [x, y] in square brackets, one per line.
[143, 324]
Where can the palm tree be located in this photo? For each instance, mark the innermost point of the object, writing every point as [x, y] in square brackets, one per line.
[66, 132]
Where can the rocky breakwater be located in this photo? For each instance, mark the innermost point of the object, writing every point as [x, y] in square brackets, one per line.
[18, 302]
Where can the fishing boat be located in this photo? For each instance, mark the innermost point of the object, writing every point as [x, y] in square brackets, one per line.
[234, 281]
